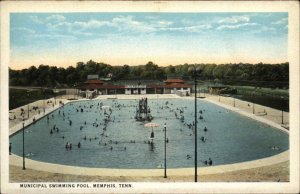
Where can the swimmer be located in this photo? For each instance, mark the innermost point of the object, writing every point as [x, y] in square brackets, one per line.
[29, 154]
[202, 138]
[210, 162]
[79, 145]
[275, 148]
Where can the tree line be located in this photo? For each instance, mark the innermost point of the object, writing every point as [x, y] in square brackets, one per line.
[248, 74]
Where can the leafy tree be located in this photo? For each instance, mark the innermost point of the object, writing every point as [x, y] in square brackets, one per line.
[243, 73]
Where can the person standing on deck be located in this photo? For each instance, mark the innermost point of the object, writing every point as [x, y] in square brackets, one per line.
[10, 148]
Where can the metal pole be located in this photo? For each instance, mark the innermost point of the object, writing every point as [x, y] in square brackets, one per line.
[28, 110]
[43, 100]
[195, 126]
[23, 149]
[233, 101]
[165, 151]
[282, 110]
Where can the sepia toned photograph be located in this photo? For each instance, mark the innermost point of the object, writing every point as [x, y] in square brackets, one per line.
[117, 100]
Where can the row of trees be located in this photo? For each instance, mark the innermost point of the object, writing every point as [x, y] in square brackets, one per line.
[52, 76]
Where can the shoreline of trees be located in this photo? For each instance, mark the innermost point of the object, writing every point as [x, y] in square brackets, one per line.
[261, 75]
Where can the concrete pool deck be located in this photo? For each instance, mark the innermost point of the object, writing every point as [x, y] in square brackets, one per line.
[74, 170]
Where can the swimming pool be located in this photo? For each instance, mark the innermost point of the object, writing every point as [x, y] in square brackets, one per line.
[230, 137]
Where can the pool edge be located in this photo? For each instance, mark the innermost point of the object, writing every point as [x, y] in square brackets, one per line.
[74, 170]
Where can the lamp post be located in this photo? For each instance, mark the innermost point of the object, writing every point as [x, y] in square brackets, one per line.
[28, 105]
[165, 129]
[43, 94]
[23, 148]
[74, 91]
[193, 70]
[233, 101]
[253, 108]
[282, 109]
[55, 95]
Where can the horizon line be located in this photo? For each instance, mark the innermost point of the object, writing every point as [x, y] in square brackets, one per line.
[202, 63]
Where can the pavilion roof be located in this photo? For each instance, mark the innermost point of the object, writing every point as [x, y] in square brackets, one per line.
[175, 85]
[174, 80]
[94, 81]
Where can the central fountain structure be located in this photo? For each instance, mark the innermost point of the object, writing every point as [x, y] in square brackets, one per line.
[143, 112]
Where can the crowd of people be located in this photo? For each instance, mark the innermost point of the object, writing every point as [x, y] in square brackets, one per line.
[99, 126]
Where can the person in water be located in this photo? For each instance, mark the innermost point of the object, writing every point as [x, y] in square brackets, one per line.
[79, 145]
[210, 162]
[202, 139]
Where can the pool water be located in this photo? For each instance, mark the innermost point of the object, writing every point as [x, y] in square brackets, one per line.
[123, 143]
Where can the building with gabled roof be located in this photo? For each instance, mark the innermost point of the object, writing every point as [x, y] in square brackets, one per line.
[173, 81]
[93, 87]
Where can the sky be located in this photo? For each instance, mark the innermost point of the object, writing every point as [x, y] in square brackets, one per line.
[63, 39]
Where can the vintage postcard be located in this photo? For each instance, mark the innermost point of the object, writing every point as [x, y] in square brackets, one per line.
[149, 97]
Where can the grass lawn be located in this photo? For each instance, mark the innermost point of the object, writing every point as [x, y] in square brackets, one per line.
[19, 97]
